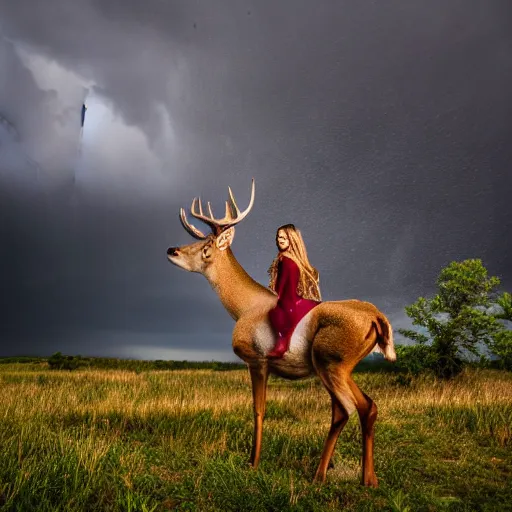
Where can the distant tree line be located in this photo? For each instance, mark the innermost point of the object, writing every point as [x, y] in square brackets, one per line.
[58, 361]
[61, 362]
[21, 359]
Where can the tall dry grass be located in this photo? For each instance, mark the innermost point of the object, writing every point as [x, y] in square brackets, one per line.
[119, 440]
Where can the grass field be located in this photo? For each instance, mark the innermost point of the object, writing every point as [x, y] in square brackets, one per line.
[96, 439]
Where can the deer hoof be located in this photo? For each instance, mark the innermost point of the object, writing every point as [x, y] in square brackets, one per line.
[319, 478]
[371, 481]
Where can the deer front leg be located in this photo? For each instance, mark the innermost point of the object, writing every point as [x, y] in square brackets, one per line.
[259, 377]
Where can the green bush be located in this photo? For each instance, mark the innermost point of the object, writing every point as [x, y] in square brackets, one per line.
[60, 362]
[502, 347]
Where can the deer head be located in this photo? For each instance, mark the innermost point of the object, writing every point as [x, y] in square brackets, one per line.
[199, 256]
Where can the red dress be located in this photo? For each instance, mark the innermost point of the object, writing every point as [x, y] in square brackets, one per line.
[291, 307]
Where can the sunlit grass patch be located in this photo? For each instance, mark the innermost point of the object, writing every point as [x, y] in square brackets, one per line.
[493, 421]
[162, 440]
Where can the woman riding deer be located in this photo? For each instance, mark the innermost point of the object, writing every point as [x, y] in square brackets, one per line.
[296, 283]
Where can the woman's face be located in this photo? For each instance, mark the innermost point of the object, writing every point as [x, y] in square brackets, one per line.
[282, 240]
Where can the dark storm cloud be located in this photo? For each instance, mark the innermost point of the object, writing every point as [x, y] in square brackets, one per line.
[381, 129]
[95, 272]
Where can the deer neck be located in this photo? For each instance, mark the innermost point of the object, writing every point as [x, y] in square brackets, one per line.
[236, 289]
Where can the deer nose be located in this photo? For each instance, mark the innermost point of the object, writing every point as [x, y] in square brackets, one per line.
[172, 251]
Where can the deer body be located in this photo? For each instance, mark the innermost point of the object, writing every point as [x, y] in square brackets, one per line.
[328, 341]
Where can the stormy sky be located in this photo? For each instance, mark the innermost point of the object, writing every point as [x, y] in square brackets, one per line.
[381, 129]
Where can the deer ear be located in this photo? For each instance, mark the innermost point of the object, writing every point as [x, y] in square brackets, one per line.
[224, 240]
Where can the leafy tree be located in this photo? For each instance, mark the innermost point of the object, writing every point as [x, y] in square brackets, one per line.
[458, 320]
[505, 303]
[502, 347]
[502, 342]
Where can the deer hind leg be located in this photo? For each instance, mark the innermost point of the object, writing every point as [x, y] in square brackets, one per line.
[336, 378]
[259, 377]
[338, 421]
[342, 405]
[367, 411]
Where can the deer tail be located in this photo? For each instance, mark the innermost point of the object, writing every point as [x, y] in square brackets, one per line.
[385, 343]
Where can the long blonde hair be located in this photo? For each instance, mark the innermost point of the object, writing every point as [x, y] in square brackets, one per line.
[308, 287]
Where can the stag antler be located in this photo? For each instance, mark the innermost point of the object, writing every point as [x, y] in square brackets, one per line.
[217, 225]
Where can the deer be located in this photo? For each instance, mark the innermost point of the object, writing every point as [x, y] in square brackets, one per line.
[329, 341]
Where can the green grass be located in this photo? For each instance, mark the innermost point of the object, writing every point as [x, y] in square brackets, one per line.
[157, 440]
